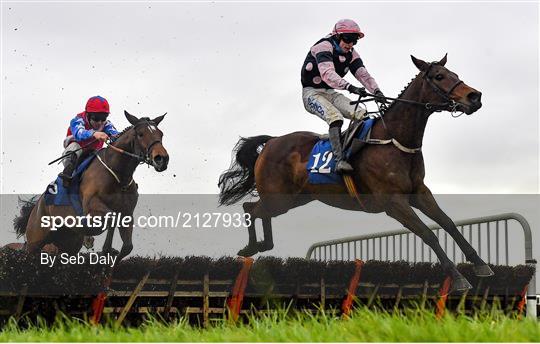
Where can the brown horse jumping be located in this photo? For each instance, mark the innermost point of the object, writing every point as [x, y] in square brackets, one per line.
[107, 186]
[389, 177]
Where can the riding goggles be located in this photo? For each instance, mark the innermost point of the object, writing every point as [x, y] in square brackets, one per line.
[350, 38]
[98, 117]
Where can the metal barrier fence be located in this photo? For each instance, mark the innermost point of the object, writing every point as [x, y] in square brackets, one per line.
[491, 236]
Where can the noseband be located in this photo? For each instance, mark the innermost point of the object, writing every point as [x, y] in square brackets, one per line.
[450, 104]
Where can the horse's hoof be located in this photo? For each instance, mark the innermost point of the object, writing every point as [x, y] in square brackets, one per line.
[248, 251]
[51, 249]
[111, 251]
[264, 246]
[88, 242]
[483, 270]
[460, 284]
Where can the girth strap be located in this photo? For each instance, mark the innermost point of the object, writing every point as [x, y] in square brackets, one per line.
[395, 143]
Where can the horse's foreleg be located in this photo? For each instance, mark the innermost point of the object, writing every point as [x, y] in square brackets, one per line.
[107, 245]
[127, 244]
[399, 209]
[98, 209]
[424, 201]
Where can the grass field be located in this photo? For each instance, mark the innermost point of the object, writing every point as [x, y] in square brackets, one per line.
[363, 326]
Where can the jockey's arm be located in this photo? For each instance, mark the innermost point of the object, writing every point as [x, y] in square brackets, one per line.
[325, 64]
[361, 74]
[80, 133]
[109, 129]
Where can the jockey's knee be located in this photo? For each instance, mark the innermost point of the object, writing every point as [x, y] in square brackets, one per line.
[333, 117]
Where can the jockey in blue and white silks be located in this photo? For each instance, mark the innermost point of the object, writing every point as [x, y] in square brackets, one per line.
[88, 130]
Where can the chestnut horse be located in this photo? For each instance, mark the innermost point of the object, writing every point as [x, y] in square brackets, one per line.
[107, 186]
[388, 173]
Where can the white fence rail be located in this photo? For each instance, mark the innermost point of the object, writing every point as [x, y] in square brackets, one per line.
[491, 236]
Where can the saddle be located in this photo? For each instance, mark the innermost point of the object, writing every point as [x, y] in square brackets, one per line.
[354, 140]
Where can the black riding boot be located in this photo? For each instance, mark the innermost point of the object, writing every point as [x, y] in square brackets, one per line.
[342, 166]
[67, 173]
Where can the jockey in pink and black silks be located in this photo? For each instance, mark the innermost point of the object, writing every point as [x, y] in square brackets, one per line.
[326, 63]
[88, 130]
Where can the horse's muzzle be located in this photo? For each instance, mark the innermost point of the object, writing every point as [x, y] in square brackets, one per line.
[160, 162]
[474, 102]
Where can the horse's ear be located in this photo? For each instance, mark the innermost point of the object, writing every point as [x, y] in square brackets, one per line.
[442, 62]
[159, 119]
[422, 65]
[131, 119]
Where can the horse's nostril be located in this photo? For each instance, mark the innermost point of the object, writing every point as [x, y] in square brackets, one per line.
[158, 159]
[474, 97]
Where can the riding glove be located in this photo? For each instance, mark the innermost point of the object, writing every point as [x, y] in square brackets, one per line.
[357, 90]
[379, 96]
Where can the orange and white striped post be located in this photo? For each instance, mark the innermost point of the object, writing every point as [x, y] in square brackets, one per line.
[234, 303]
[443, 295]
[346, 306]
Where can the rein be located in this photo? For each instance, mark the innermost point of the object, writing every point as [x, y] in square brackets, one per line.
[449, 105]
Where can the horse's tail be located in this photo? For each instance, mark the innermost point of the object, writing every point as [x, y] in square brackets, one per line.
[20, 222]
[239, 180]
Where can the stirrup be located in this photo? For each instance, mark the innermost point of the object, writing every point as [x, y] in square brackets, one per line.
[66, 179]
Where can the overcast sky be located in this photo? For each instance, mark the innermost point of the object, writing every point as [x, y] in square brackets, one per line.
[229, 69]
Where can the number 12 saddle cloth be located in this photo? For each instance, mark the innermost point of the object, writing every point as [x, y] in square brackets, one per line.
[322, 165]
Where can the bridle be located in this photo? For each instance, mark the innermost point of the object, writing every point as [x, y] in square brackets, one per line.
[142, 158]
[450, 104]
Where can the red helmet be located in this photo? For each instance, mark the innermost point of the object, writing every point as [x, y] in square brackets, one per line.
[347, 26]
[97, 104]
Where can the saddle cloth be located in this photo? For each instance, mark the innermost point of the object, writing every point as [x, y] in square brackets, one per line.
[322, 165]
[57, 194]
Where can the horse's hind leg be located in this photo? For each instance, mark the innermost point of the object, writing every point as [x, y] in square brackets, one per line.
[282, 206]
[36, 236]
[425, 202]
[268, 242]
[251, 247]
[266, 208]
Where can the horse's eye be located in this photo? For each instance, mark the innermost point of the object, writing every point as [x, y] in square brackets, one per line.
[140, 134]
[439, 77]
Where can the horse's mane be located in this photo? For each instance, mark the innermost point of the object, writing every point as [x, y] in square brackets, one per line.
[130, 127]
[124, 131]
[403, 91]
[142, 119]
[114, 139]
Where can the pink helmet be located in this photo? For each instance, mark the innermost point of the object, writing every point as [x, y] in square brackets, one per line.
[347, 26]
